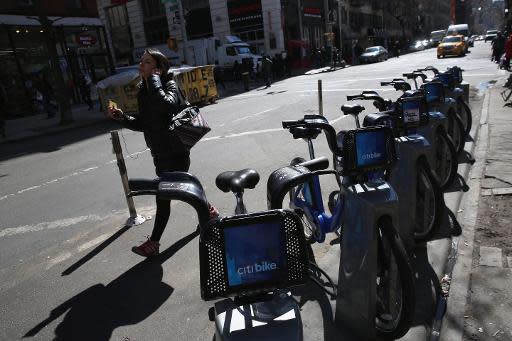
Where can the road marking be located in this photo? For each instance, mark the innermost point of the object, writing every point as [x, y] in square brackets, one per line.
[253, 115]
[94, 242]
[255, 132]
[49, 182]
[60, 258]
[56, 224]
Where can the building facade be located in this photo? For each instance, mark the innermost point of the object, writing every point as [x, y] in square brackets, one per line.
[80, 43]
[296, 27]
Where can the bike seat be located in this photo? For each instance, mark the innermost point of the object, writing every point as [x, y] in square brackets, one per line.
[237, 181]
[352, 109]
[305, 133]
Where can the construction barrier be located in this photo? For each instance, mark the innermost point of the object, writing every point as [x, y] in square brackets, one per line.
[197, 82]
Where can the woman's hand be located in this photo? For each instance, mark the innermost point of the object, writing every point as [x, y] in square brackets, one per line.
[115, 113]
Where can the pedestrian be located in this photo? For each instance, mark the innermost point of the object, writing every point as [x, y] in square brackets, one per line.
[498, 45]
[358, 51]
[44, 88]
[84, 83]
[218, 75]
[159, 98]
[3, 105]
[508, 51]
[266, 69]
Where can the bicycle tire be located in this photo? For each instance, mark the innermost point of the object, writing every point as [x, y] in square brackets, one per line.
[465, 115]
[309, 226]
[390, 244]
[456, 131]
[446, 159]
[425, 226]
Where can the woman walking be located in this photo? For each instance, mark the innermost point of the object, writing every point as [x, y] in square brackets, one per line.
[159, 99]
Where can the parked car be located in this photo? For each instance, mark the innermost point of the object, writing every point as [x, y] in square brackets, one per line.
[452, 45]
[374, 54]
[416, 46]
[490, 35]
[471, 40]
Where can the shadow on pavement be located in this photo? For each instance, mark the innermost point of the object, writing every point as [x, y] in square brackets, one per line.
[129, 299]
[95, 251]
[54, 141]
[427, 288]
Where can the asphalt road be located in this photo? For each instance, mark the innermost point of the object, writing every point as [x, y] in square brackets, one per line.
[66, 268]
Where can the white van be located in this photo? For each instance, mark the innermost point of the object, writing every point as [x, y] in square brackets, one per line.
[462, 29]
[436, 37]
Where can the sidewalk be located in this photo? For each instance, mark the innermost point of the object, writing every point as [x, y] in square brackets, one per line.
[38, 125]
[480, 298]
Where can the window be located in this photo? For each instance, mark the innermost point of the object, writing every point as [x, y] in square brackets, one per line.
[230, 51]
[73, 4]
[155, 22]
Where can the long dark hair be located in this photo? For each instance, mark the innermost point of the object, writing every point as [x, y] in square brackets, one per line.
[161, 62]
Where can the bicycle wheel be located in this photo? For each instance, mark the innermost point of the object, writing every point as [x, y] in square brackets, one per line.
[395, 297]
[456, 131]
[429, 203]
[465, 115]
[446, 159]
[302, 193]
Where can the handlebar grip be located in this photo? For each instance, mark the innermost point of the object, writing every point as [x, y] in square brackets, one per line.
[408, 75]
[386, 83]
[291, 124]
[353, 97]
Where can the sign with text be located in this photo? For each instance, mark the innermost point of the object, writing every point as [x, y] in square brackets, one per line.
[245, 14]
[86, 39]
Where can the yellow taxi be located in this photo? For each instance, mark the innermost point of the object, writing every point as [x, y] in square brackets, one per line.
[452, 45]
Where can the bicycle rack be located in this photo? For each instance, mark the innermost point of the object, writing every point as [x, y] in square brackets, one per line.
[403, 176]
[365, 205]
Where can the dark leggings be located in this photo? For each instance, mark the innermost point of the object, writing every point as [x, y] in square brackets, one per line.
[163, 207]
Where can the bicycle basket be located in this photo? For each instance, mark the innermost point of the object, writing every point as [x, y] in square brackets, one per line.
[368, 150]
[252, 254]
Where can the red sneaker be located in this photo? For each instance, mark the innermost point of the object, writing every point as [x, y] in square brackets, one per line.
[149, 248]
[214, 213]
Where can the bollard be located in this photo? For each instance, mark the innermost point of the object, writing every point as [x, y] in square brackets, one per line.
[320, 101]
[134, 218]
[245, 80]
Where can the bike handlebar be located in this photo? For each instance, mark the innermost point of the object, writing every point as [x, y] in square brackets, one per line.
[369, 97]
[317, 121]
[429, 68]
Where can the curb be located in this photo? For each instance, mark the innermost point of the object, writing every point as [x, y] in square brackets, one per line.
[459, 264]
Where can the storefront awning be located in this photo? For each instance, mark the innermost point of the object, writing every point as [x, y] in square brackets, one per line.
[21, 20]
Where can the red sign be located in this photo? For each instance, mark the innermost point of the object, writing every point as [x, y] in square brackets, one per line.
[86, 39]
[312, 12]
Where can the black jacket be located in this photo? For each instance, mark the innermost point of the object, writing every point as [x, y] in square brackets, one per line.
[157, 104]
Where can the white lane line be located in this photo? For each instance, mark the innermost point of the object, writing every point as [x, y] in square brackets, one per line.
[94, 242]
[60, 258]
[62, 223]
[256, 132]
[76, 173]
[253, 115]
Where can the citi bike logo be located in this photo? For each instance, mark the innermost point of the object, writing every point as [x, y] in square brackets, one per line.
[257, 267]
[371, 156]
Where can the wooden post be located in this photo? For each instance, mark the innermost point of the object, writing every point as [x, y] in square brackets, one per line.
[320, 101]
[134, 218]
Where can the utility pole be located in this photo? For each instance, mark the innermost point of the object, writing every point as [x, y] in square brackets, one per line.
[183, 32]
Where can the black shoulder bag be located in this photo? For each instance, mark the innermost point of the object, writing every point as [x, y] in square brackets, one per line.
[189, 125]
